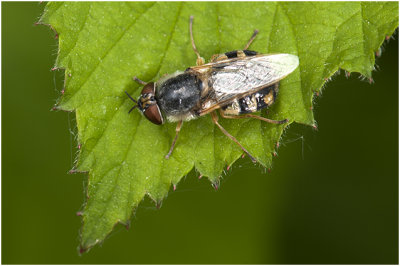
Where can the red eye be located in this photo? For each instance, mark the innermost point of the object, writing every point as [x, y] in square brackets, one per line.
[148, 88]
[153, 114]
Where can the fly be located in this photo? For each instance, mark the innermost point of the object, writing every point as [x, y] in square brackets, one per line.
[236, 83]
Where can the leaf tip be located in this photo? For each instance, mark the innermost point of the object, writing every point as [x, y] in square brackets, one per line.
[40, 22]
[215, 185]
[82, 250]
[370, 80]
[378, 53]
[128, 225]
[72, 171]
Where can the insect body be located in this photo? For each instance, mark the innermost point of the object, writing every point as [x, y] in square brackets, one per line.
[237, 83]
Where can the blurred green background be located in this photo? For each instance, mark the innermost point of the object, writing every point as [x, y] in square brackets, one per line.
[331, 197]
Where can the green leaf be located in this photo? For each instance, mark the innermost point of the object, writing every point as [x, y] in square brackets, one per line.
[103, 45]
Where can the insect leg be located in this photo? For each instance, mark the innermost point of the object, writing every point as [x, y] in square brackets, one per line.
[252, 116]
[139, 81]
[251, 39]
[200, 60]
[178, 128]
[215, 120]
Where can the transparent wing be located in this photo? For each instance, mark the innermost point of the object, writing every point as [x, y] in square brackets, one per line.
[240, 77]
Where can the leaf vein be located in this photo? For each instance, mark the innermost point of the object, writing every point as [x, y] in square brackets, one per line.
[115, 112]
[114, 44]
[293, 33]
[79, 31]
[162, 60]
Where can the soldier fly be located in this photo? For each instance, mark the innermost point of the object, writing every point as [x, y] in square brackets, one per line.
[237, 83]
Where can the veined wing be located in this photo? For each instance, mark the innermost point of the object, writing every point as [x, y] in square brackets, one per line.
[236, 78]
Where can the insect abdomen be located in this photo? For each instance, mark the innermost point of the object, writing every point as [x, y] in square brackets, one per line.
[233, 54]
[254, 102]
[240, 53]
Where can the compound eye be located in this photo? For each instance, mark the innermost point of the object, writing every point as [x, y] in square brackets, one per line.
[148, 88]
[153, 114]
